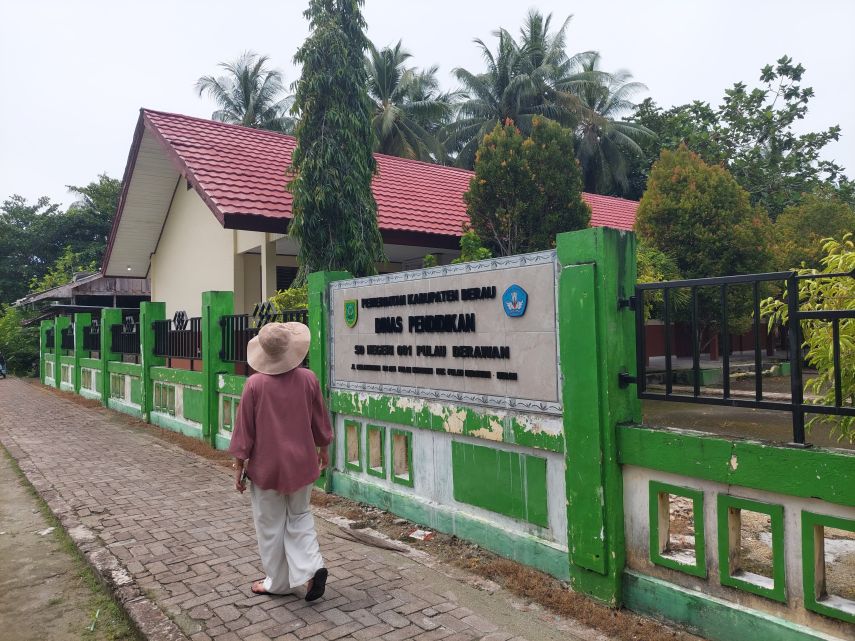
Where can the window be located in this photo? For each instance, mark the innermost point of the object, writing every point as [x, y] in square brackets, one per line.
[353, 445]
[677, 528]
[402, 457]
[826, 540]
[285, 277]
[751, 546]
[376, 441]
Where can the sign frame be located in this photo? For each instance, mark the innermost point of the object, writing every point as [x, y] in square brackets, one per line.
[430, 394]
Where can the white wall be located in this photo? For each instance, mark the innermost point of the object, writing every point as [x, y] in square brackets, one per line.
[195, 254]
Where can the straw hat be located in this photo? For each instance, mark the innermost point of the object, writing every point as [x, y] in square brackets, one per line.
[278, 348]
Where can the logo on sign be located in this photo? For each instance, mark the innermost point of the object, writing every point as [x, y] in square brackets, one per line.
[351, 312]
[514, 301]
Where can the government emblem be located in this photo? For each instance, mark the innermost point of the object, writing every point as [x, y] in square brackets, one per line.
[514, 301]
[351, 312]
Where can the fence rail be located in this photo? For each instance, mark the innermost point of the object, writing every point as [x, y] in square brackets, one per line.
[239, 329]
[125, 337]
[721, 288]
[180, 337]
[66, 338]
[92, 337]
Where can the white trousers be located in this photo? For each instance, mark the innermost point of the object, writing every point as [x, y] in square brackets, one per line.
[287, 541]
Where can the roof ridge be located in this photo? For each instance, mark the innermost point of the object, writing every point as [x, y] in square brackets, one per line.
[218, 123]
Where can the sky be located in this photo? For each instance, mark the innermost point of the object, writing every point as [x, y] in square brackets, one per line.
[74, 73]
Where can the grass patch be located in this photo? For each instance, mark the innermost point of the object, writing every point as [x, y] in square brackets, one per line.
[112, 623]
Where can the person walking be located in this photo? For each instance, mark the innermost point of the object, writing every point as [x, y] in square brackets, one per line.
[2, 365]
[280, 443]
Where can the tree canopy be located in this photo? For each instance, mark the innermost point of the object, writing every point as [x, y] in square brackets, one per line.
[335, 215]
[525, 189]
[752, 132]
[249, 94]
[699, 216]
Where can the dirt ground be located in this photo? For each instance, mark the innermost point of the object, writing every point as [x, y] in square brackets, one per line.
[46, 590]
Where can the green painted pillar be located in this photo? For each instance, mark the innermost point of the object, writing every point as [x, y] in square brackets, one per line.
[597, 342]
[80, 322]
[61, 323]
[319, 349]
[44, 348]
[109, 316]
[149, 312]
[215, 305]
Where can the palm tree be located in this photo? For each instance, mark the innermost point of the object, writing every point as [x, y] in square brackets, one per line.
[408, 106]
[531, 78]
[605, 140]
[249, 94]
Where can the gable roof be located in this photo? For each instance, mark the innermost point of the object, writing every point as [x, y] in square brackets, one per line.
[240, 174]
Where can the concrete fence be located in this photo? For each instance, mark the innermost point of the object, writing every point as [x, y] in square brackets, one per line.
[484, 400]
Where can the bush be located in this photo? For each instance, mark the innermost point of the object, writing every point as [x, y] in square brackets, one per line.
[291, 298]
[526, 190]
[827, 294]
[20, 345]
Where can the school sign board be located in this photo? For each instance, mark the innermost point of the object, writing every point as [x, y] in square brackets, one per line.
[481, 333]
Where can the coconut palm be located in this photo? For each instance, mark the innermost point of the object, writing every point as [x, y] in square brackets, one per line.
[532, 77]
[606, 141]
[249, 94]
[408, 106]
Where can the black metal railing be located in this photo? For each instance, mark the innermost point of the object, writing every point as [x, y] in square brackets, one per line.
[125, 336]
[92, 336]
[66, 338]
[239, 329]
[715, 292]
[180, 337]
[50, 337]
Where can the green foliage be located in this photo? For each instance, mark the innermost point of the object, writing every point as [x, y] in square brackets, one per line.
[752, 133]
[335, 215]
[525, 78]
[408, 106]
[471, 248]
[429, 261]
[827, 294]
[62, 270]
[655, 266]
[800, 229]
[34, 236]
[291, 298]
[606, 140]
[526, 190]
[701, 218]
[249, 94]
[20, 345]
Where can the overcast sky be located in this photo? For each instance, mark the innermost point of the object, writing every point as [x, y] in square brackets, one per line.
[74, 73]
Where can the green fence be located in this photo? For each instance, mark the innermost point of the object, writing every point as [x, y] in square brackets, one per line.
[582, 491]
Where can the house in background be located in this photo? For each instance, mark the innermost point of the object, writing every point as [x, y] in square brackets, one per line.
[204, 207]
[90, 289]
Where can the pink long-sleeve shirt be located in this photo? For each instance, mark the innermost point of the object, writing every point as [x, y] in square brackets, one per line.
[281, 420]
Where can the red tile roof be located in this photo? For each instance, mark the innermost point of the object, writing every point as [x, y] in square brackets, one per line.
[241, 173]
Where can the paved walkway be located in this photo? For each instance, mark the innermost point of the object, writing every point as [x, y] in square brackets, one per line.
[168, 527]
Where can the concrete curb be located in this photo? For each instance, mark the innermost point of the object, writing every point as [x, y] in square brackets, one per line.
[147, 617]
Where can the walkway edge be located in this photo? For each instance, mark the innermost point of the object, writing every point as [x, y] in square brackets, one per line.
[146, 616]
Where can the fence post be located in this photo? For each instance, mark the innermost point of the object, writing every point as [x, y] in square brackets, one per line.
[109, 316]
[44, 326]
[319, 348]
[597, 342]
[61, 323]
[81, 321]
[149, 312]
[215, 305]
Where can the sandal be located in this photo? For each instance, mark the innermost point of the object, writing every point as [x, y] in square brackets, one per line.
[319, 585]
[261, 590]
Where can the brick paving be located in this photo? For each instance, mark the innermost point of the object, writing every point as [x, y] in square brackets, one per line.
[185, 537]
